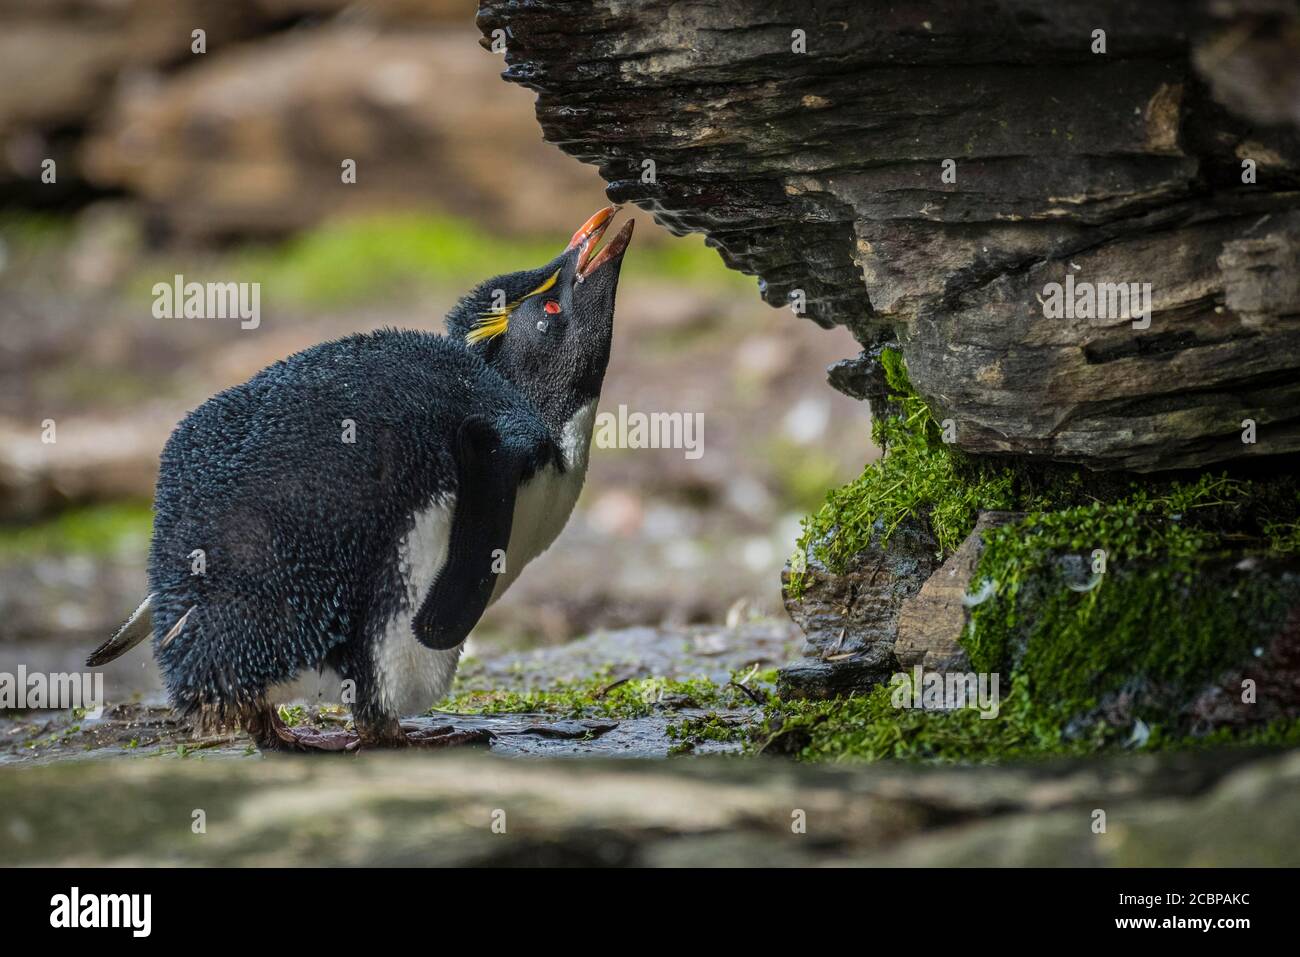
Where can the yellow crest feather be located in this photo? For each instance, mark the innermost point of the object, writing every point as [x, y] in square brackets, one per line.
[489, 326]
[495, 322]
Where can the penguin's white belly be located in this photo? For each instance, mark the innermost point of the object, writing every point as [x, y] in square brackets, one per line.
[411, 678]
[544, 503]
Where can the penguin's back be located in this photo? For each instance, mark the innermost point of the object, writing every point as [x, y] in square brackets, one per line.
[281, 502]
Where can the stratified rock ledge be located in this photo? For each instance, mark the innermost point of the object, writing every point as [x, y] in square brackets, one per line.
[821, 172]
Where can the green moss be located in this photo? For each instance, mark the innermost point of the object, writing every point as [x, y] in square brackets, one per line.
[1166, 616]
[1158, 614]
[919, 477]
[603, 697]
[599, 698]
[869, 728]
[709, 727]
[293, 715]
[1108, 588]
[1280, 733]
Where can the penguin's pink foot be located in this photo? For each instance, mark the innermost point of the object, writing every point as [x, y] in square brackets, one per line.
[393, 734]
[270, 733]
[314, 739]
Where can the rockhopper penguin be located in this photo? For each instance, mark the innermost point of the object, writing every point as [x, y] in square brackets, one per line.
[357, 506]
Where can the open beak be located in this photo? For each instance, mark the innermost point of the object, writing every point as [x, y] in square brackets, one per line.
[588, 236]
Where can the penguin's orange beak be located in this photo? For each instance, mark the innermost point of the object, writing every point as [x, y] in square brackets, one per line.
[588, 238]
[594, 227]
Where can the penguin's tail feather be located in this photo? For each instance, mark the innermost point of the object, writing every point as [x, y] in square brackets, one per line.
[137, 628]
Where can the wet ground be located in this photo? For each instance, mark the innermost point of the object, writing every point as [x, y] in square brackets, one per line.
[143, 726]
[150, 730]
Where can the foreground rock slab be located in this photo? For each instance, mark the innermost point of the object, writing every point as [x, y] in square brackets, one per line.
[440, 809]
[151, 731]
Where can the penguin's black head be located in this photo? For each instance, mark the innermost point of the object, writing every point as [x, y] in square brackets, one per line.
[548, 330]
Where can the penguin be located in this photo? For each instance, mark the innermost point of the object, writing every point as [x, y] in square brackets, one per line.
[356, 507]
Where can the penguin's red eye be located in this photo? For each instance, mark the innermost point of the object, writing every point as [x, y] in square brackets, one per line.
[551, 306]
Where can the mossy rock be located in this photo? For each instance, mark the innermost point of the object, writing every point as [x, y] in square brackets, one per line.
[1153, 649]
[1125, 612]
[850, 618]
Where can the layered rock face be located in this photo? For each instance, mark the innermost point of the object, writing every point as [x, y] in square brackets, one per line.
[850, 619]
[928, 173]
[1078, 227]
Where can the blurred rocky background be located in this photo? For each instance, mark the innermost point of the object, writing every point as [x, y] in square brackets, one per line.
[225, 165]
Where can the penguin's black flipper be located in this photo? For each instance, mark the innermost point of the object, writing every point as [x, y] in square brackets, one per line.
[490, 463]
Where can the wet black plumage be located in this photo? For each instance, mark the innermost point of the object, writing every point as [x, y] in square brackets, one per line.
[299, 528]
[348, 504]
